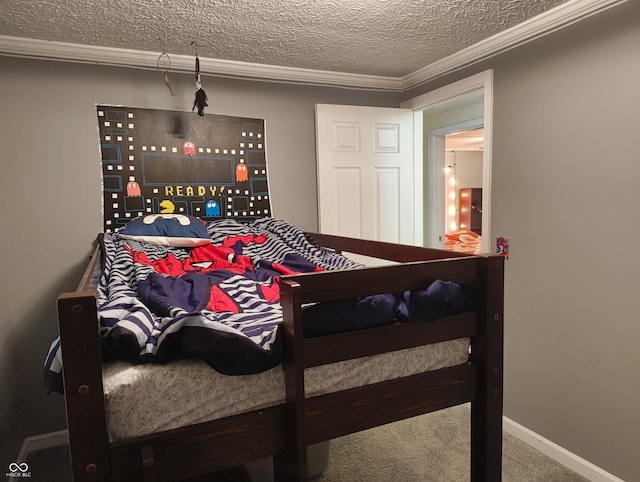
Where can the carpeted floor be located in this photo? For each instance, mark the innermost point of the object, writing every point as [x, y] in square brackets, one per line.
[432, 448]
[429, 448]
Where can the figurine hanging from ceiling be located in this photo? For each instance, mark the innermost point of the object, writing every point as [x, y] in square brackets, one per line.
[201, 97]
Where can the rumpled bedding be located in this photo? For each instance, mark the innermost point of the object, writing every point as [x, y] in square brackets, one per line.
[220, 302]
[463, 242]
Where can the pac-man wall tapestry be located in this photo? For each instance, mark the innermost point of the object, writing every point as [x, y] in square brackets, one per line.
[161, 162]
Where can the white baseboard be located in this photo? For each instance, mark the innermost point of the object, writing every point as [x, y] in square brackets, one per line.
[579, 465]
[42, 441]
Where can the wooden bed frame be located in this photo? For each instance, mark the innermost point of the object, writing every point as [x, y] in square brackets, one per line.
[284, 431]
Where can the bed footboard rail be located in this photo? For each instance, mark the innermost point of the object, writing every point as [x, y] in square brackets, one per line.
[84, 397]
[312, 420]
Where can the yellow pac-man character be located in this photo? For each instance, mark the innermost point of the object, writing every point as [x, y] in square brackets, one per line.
[167, 207]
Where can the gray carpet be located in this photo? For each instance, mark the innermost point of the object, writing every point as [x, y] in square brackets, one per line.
[432, 448]
[429, 448]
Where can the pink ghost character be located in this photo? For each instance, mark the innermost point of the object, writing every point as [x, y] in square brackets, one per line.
[133, 188]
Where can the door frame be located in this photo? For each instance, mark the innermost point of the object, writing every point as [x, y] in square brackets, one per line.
[439, 97]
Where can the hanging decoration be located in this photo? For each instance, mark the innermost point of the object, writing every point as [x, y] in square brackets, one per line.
[201, 97]
[164, 64]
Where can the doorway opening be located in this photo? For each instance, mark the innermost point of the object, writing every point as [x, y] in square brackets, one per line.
[463, 190]
[456, 108]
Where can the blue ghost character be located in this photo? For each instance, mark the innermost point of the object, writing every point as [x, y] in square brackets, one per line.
[213, 208]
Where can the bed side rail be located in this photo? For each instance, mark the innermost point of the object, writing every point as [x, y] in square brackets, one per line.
[195, 450]
[401, 253]
[93, 269]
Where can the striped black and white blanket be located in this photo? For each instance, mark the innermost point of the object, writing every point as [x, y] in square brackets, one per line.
[218, 302]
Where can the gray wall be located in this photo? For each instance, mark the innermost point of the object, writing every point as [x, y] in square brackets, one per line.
[566, 191]
[50, 194]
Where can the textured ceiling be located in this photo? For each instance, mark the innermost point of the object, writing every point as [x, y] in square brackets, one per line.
[373, 37]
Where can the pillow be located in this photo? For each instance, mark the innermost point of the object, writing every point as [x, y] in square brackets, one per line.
[167, 230]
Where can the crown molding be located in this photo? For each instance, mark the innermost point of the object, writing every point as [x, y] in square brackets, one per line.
[93, 54]
[551, 21]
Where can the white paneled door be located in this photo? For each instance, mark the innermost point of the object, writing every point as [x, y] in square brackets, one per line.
[365, 172]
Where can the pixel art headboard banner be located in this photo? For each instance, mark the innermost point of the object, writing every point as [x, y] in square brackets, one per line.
[157, 161]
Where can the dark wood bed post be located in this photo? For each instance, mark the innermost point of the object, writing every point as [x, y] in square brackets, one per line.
[487, 353]
[291, 465]
[84, 396]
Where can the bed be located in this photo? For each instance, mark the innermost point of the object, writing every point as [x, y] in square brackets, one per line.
[459, 353]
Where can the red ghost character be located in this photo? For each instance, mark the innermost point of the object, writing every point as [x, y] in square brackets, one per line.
[188, 149]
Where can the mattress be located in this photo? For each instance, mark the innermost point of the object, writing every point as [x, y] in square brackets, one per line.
[149, 398]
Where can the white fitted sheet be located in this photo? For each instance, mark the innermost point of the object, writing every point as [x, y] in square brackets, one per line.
[143, 399]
